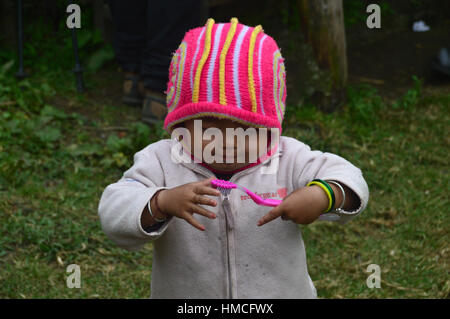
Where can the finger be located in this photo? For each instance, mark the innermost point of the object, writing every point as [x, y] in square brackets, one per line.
[203, 200]
[274, 213]
[206, 190]
[191, 220]
[202, 211]
[207, 182]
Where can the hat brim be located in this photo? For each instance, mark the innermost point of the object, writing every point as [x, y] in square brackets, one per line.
[209, 109]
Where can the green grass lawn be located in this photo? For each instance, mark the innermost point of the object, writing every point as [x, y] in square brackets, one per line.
[59, 150]
[403, 154]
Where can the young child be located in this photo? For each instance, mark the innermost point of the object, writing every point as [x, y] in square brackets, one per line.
[207, 245]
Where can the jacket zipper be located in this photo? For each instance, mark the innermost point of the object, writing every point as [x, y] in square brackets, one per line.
[229, 290]
[229, 226]
[229, 231]
[231, 258]
[227, 235]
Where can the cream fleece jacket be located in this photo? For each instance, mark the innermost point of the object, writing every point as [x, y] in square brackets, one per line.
[233, 257]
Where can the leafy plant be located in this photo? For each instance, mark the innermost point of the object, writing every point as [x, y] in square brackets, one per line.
[100, 57]
[363, 103]
[411, 97]
[355, 11]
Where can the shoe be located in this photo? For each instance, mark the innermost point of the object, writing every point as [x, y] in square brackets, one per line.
[420, 26]
[132, 90]
[154, 107]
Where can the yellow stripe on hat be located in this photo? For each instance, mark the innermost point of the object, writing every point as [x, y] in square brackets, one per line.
[206, 50]
[251, 84]
[223, 54]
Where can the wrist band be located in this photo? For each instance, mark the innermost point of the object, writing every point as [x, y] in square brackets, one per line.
[157, 207]
[343, 193]
[328, 190]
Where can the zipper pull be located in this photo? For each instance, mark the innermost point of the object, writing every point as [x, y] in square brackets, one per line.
[228, 213]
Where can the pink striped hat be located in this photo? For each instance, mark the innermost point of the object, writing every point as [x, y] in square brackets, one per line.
[227, 70]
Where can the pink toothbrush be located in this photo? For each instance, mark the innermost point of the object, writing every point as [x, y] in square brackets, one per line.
[225, 188]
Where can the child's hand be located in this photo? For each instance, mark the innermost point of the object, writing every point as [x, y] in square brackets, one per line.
[182, 201]
[303, 206]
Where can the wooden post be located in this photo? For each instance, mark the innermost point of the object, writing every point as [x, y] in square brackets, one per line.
[322, 23]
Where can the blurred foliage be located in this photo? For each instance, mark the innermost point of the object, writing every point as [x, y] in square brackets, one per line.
[411, 97]
[355, 11]
[40, 138]
[48, 49]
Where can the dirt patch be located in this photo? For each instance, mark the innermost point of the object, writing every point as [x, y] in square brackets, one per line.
[388, 58]
[102, 100]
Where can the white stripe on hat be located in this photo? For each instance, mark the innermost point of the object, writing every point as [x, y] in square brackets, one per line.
[259, 73]
[195, 56]
[212, 61]
[236, 54]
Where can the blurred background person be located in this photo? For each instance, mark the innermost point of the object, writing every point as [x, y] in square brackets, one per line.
[146, 33]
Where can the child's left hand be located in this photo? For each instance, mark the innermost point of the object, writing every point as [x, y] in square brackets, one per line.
[302, 206]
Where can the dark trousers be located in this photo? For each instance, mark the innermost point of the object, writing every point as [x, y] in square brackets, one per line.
[147, 32]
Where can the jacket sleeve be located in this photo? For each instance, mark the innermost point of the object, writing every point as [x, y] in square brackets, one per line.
[309, 165]
[123, 202]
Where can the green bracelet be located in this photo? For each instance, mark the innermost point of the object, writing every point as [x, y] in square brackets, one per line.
[333, 198]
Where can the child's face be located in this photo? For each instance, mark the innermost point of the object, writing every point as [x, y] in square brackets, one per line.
[230, 163]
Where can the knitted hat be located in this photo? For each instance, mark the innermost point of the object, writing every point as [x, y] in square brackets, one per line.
[227, 70]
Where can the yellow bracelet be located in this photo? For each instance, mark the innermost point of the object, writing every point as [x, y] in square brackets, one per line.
[330, 201]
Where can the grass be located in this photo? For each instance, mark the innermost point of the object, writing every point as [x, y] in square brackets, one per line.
[52, 173]
[403, 153]
[59, 150]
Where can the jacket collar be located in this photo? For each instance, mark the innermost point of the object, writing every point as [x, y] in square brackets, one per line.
[180, 155]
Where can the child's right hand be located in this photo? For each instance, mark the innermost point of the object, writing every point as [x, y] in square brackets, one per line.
[183, 201]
